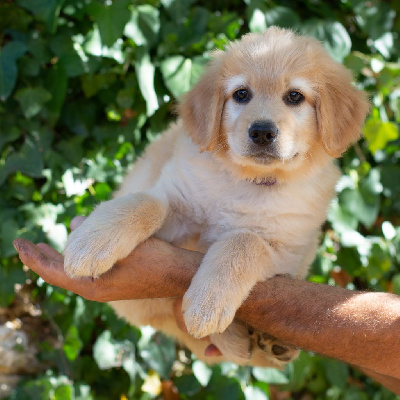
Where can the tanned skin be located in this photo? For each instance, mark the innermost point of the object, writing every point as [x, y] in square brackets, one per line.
[359, 328]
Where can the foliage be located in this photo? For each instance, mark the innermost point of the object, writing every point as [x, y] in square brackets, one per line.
[84, 85]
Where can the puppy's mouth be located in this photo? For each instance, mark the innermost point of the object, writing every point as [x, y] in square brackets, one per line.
[266, 158]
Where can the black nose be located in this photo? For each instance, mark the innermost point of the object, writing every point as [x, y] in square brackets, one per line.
[263, 132]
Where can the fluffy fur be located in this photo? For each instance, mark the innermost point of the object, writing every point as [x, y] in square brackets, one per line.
[255, 211]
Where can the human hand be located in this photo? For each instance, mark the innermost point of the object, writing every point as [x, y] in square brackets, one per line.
[155, 269]
[139, 276]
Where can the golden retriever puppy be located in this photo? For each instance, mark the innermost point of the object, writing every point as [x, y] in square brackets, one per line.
[247, 174]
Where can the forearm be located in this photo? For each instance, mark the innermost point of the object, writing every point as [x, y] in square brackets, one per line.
[359, 328]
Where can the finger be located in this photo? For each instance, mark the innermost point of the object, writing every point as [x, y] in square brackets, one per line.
[50, 252]
[48, 264]
[212, 351]
[32, 256]
[177, 308]
[76, 222]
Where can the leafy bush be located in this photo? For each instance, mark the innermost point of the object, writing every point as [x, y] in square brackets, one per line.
[84, 85]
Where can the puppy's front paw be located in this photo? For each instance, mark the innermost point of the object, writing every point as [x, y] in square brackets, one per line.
[91, 251]
[207, 311]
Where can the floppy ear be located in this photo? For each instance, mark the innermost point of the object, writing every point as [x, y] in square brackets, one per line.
[201, 108]
[341, 110]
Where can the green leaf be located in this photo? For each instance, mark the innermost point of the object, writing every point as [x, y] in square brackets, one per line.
[145, 75]
[9, 55]
[72, 343]
[374, 18]
[187, 385]
[144, 25]
[396, 284]
[32, 100]
[224, 387]
[336, 372]
[45, 10]
[270, 375]
[363, 202]
[57, 84]
[111, 19]
[177, 9]
[64, 392]
[341, 219]
[110, 353]
[180, 73]
[332, 34]
[9, 276]
[29, 161]
[282, 16]
[202, 372]
[255, 393]
[379, 133]
[159, 353]
[13, 17]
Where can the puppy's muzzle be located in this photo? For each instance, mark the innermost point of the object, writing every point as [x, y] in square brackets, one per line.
[263, 133]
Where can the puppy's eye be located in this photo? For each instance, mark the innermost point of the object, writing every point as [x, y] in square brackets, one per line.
[242, 96]
[294, 97]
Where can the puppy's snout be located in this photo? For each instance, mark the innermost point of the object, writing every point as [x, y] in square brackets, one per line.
[263, 132]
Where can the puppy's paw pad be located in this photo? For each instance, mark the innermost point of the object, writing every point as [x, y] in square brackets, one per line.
[273, 347]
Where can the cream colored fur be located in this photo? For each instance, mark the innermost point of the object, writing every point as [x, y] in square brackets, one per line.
[202, 179]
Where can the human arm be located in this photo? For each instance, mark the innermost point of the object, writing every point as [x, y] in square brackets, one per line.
[358, 328]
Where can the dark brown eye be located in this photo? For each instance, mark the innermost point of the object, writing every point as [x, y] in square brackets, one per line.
[294, 97]
[242, 96]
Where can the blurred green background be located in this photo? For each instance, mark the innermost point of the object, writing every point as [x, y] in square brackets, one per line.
[84, 85]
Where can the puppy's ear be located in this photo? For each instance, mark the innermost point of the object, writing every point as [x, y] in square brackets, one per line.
[341, 110]
[201, 108]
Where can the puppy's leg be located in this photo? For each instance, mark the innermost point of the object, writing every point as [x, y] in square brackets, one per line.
[228, 272]
[234, 343]
[111, 232]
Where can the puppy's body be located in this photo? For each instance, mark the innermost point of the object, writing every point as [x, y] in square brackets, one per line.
[247, 177]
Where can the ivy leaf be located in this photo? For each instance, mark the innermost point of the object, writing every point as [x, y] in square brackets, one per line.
[56, 83]
[187, 385]
[333, 35]
[396, 284]
[45, 10]
[143, 26]
[145, 74]
[8, 278]
[202, 372]
[281, 16]
[270, 375]
[354, 202]
[72, 343]
[9, 55]
[379, 133]
[111, 19]
[32, 100]
[180, 73]
[255, 393]
[110, 353]
[29, 161]
[177, 9]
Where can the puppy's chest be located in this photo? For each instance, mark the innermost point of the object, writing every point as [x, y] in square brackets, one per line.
[208, 211]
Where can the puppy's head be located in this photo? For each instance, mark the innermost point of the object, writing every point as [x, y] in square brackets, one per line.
[273, 104]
